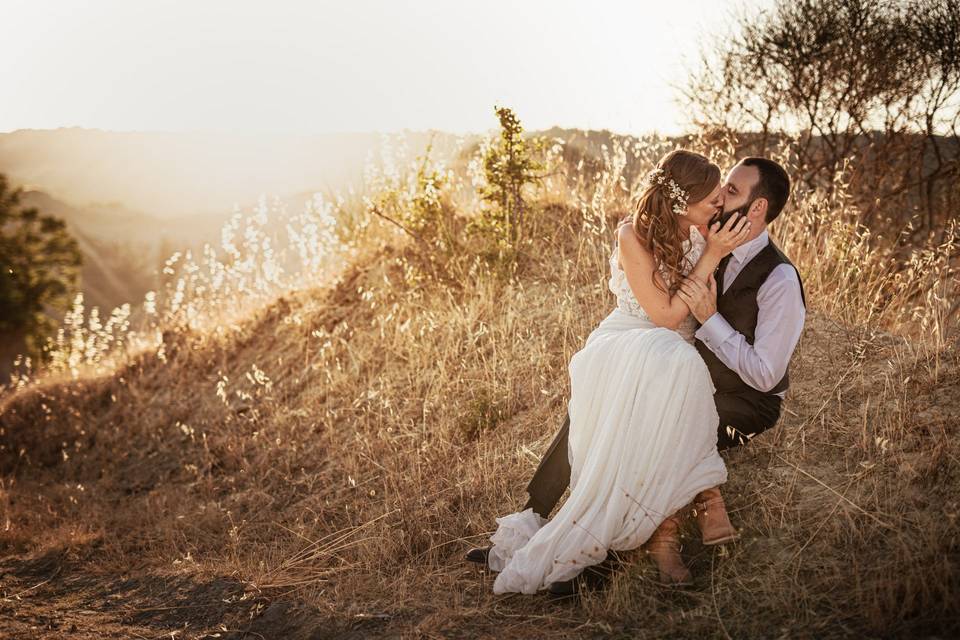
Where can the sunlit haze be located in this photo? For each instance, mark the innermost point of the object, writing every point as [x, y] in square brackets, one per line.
[312, 67]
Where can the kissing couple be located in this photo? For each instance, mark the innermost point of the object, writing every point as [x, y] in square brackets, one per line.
[692, 360]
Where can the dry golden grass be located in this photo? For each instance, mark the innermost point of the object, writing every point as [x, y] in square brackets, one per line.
[344, 445]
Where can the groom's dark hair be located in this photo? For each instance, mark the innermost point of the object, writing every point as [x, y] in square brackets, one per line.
[774, 185]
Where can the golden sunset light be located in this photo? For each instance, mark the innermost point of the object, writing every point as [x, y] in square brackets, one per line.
[446, 319]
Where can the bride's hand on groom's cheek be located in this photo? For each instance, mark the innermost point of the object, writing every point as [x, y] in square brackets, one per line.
[724, 239]
[700, 297]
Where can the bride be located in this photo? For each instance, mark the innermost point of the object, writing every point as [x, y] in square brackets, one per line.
[643, 425]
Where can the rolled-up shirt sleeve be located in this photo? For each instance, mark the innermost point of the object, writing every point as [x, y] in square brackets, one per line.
[780, 318]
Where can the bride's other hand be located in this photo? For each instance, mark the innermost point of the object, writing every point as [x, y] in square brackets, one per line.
[723, 239]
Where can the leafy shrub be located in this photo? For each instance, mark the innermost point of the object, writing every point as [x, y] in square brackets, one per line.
[418, 204]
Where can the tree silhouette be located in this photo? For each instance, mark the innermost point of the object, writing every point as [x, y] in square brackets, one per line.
[39, 266]
[870, 83]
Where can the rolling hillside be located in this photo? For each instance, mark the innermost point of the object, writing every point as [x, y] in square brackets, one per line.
[318, 469]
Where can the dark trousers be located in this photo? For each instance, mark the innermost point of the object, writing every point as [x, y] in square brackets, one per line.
[743, 415]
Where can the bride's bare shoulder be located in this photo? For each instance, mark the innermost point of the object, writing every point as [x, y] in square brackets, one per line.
[629, 242]
[626, 232]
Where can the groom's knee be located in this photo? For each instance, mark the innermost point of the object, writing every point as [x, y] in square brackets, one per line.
[743, 418]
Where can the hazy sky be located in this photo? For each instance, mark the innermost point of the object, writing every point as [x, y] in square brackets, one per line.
[352, 65]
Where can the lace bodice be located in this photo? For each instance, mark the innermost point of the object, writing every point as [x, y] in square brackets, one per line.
[627, 302]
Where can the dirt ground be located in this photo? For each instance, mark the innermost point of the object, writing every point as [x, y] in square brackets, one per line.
[61, 595]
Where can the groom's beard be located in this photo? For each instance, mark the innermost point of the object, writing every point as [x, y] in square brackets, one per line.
[723, 216]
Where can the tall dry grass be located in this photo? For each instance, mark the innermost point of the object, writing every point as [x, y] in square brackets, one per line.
[346, 442]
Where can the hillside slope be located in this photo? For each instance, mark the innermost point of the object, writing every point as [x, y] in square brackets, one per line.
[319, 469]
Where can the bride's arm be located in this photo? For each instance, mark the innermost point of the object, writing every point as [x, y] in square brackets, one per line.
[664, 309]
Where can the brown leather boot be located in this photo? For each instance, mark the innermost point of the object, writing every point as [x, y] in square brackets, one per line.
[711, 514]
[664, 547]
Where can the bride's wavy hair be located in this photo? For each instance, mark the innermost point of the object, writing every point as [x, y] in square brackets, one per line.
[655, 220]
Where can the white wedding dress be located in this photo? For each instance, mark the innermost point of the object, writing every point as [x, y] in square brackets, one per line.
[642, 444]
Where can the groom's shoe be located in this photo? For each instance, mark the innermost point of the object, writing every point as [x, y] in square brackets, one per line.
[664, 547]
[593, 577]
[480, 555]
[711, 514]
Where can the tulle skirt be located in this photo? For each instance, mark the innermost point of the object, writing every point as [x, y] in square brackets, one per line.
[642, 444]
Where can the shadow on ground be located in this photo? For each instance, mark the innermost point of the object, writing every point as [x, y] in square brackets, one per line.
[56, 595]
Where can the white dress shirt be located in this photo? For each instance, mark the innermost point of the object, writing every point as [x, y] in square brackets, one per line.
[780, 319]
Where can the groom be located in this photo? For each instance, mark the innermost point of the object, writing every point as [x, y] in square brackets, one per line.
[751, 315]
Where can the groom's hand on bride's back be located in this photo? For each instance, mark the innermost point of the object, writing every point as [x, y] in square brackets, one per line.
[700, 297]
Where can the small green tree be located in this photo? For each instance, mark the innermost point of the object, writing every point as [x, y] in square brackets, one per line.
[39, 265]
[510, 164]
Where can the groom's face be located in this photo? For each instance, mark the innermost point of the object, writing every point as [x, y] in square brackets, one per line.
[738, 186]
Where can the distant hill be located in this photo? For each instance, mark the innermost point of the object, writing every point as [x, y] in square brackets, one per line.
[121, 248]
[172, 175]
[133, 198]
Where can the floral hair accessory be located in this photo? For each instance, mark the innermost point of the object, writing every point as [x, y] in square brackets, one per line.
[679, 197]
